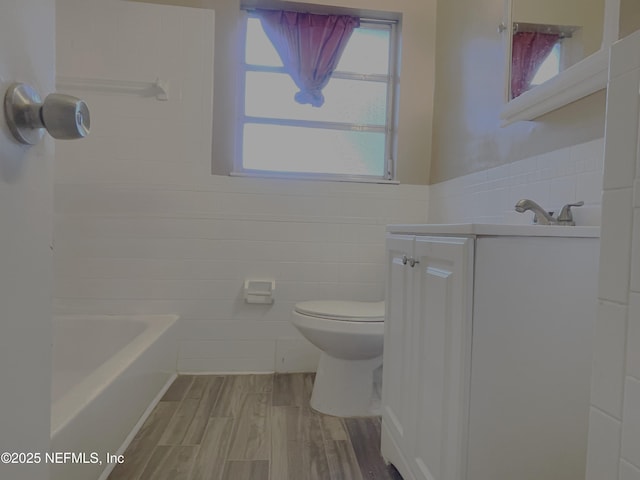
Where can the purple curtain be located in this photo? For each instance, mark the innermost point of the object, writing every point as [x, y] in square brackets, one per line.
[310, 47]
[529, 50]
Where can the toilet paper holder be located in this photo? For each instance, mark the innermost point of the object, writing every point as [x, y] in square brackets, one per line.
[259, 291]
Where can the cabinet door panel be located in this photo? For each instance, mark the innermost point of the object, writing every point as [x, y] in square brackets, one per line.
[397, 384]
[441, 351]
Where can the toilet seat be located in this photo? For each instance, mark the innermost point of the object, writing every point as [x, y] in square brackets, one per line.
[345, 311]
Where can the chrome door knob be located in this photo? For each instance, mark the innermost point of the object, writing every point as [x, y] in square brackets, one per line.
[63, 116]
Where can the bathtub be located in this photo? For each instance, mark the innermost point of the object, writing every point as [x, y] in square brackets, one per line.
[107, 370]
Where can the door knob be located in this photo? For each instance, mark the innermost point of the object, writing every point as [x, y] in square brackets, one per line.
[63, 116]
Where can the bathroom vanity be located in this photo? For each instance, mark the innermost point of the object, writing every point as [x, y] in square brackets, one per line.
[487, 350]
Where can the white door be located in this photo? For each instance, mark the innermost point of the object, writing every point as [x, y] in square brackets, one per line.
[27, 54]
[397, 385]
[441, 346]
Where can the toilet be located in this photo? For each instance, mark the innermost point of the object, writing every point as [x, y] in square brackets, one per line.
[350, 336]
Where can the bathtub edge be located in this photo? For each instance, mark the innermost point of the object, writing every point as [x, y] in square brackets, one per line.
[136, 428]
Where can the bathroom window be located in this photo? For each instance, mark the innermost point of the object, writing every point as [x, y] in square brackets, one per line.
[349, 137]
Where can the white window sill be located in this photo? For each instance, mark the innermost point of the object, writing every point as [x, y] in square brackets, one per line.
[316, 177]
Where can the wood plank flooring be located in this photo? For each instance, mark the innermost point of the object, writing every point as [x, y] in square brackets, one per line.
[251, 427]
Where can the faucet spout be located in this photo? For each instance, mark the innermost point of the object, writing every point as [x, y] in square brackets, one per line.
[541, 216]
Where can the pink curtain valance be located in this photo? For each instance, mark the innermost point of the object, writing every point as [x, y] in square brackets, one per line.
[310, 47]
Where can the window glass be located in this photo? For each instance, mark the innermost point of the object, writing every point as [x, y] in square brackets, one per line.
[270, 95]
[259, 49]
[323, 150]
[367, 52]
[348, 135]
[550, 67]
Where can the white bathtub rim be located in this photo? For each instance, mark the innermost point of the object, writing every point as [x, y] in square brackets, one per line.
[136, 428]
[78, 397]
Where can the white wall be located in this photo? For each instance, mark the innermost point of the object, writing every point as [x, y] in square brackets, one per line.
[552, 180]
[143, 227]
[416, 72]
[470, 93]
[614, 427]
[587, 14]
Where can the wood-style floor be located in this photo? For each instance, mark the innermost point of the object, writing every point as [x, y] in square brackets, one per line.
[251, 427]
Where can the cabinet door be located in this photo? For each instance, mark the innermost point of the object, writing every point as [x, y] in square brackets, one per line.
[441, 352]
[397, 385]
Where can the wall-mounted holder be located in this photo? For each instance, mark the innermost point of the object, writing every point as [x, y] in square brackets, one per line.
[63, 116]
[158, 89]
[259, 291]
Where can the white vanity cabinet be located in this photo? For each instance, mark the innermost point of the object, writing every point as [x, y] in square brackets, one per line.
[427, 338]
[487, 353]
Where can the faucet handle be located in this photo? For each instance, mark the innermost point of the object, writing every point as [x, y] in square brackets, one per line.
[566, 216]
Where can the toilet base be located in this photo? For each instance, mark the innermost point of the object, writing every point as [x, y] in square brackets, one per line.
[346, 388]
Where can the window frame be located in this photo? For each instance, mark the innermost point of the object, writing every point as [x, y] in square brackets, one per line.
[389, 175]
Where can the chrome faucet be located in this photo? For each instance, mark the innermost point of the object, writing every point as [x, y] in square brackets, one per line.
[542, 217]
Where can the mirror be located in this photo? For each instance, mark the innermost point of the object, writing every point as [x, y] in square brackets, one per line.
[549, 36]
[557, 51]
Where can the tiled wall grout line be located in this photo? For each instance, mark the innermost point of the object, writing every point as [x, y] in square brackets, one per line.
[612, 417]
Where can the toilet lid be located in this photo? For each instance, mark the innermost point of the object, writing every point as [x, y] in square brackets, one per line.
[343, 310]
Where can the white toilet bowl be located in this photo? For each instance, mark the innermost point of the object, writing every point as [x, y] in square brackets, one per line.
[350, 335]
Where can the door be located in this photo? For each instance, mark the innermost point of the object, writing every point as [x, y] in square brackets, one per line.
[27, 54]
[397, 384]
[441, 355]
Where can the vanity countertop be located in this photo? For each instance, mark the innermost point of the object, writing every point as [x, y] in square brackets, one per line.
[487, 229]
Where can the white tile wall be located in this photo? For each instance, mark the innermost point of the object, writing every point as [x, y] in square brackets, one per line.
[609, 358]
[633, 336]
[603, 450]
[618, 278]
[635, 251]
[621, 131]
[631, 422]
[617, 211]
[552, 180]
[628, 471]
[143, 227]
[292, 355]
